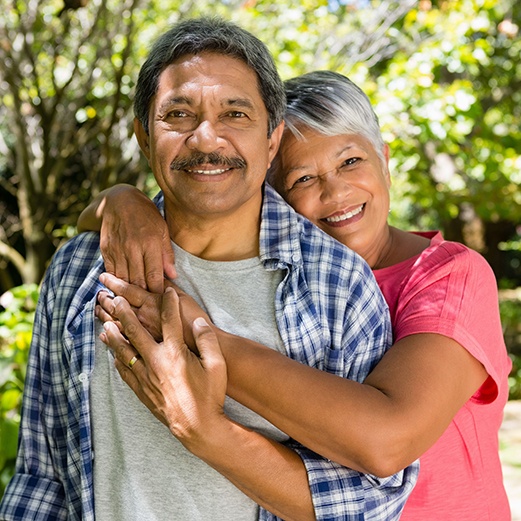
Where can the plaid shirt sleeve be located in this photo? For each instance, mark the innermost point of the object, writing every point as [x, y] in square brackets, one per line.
[45, 486]
[343, 494]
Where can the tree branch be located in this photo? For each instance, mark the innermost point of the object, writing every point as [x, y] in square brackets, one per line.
[9, 253]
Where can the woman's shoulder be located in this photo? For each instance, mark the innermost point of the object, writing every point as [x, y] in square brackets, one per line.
[453, 253]
[453, 262]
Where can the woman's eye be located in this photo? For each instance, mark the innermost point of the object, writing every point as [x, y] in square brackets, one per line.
[351, 161]
[304, 181]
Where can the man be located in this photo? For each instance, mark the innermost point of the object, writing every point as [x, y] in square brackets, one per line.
[209, 106]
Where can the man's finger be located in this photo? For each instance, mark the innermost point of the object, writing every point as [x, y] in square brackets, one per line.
[208, 345]
[106, 317]
[135, 295]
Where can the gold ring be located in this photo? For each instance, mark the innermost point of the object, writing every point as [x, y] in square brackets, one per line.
[133, 360]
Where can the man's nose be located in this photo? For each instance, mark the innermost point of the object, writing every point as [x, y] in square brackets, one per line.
[205, 138]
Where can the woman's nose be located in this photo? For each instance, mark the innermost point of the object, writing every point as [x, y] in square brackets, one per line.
[334, 187]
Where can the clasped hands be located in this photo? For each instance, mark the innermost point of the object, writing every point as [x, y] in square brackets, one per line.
[179, 371]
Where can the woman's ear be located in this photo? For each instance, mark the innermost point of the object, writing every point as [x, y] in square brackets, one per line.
[385, 151]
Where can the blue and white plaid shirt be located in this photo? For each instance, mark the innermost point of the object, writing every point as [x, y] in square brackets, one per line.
[331, 316]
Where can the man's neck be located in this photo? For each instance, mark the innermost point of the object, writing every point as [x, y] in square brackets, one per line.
[223, 238]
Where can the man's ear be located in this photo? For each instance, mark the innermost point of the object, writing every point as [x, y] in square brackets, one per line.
[274, 142]
[142, 137]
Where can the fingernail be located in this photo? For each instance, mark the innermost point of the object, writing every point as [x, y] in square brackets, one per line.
[200, 322]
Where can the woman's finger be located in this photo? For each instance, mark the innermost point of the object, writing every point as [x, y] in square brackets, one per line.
[171, 324]
[135, 295]
[120, 346]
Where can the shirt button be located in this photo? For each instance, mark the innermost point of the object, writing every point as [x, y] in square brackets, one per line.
[295, 257]
[83, 377]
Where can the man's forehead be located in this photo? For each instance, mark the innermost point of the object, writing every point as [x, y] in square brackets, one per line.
[228, 80]
[217, 68]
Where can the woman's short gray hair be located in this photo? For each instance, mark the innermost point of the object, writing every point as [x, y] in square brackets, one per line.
[199, 35]
[330, 104]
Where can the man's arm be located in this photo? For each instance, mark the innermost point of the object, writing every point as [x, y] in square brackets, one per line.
[186, 392]
[44, 484]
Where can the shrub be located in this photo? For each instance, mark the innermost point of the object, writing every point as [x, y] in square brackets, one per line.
[16, 319]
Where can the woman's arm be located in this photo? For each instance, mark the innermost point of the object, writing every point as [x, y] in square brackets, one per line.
[377, 427]
[132, 231]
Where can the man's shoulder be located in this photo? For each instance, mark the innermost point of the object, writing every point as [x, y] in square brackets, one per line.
[84, 245]
[77, 256]
[318, 246]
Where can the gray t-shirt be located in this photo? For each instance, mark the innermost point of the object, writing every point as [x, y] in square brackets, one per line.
[141, 472]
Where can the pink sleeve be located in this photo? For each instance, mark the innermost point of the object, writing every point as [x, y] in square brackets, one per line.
[452, 292]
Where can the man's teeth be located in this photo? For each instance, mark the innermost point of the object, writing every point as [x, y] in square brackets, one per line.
[210, 172]
[345, 216]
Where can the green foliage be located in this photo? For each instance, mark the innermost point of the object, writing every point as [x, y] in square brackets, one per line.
[15, 335]
[510, 309]
[452, 113]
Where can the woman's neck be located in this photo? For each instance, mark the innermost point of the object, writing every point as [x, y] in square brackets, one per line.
[400, 246]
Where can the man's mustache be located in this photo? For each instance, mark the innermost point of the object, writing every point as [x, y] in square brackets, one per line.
[214, 158]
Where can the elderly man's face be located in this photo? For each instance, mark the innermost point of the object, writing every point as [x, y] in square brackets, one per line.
[208, 144]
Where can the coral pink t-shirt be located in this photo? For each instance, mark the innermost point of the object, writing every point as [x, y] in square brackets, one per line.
[451, 290]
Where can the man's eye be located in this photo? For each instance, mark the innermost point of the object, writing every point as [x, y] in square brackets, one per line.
[236, 114]
[177, 114]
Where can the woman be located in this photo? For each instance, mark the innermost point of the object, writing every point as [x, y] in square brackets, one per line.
[440, 390]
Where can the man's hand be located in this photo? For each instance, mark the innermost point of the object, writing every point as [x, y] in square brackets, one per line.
[184, 391]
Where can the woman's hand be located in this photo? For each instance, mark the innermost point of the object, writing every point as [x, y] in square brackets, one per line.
[184, 391]
[147, 307]
[134, 237]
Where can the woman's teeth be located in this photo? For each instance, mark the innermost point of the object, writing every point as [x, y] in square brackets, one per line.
[344, 216]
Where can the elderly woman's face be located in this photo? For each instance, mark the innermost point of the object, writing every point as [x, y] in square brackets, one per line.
[340, 184]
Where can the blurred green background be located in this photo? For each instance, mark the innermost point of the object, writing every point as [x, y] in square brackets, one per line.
[444, 78]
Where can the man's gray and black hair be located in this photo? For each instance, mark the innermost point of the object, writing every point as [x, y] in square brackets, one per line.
[196, 36]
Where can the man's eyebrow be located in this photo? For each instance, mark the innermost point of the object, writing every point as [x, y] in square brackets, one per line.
[177, 100]
[185, 100]
[238, 102]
